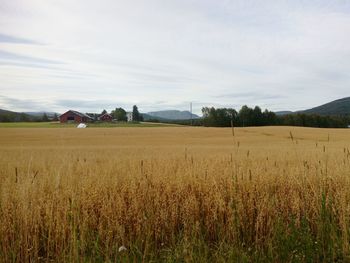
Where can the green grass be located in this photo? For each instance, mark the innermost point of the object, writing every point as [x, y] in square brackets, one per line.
[74, 125]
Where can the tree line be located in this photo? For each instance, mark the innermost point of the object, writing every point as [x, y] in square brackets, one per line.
[117, 114]
[213, 117]
[23, 117]
[246, 116]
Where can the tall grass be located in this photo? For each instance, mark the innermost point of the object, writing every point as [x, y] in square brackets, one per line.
[186, 195]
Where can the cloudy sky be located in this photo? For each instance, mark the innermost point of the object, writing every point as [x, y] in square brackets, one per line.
[161, 54]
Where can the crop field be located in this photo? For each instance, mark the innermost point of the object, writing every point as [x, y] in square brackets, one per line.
[174, 194]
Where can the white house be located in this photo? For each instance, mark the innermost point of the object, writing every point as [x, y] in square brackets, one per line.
[129, 116]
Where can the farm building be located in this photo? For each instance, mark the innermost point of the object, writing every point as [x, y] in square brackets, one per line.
[94, 116]
[129, 116]
[75, 116]
[105, 117]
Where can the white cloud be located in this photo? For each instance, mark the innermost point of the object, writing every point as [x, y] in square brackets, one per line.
[144, 52]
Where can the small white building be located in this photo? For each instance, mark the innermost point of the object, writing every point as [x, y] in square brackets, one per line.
[129, 116]
[349, 126]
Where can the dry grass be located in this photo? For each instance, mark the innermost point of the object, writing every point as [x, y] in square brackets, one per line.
[174, 194]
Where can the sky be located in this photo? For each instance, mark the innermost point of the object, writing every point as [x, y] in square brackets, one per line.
[89, 55]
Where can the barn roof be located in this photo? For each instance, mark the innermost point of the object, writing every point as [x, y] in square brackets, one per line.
[78, 113]
[106, 114]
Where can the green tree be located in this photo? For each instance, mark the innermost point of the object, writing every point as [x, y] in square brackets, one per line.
[5, 118]
[220, 117]
[22, 117]
[257, 116]
[209, 116]
[45, 118]
[119, 114]
[136, 116]
[245, 116]
[269, 118]
[55, 117]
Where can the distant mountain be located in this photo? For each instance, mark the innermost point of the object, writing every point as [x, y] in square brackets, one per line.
[280, 113]
[171, 115]
[337, 107]
[6, 115]
[147, 117]
[3, 112]
[41, 113]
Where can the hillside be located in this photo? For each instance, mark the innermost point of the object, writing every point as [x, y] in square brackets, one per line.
[147, 117]
[6, 115]
[280, 113]
[39, 114]
[337, 107]
[2, 112]
[172, 115]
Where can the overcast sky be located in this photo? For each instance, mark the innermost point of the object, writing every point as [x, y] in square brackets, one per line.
[161, 54]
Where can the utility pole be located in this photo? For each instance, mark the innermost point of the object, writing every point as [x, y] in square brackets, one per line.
[191, 113]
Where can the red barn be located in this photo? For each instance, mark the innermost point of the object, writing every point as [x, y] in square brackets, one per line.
[74, 116]
[105, 117]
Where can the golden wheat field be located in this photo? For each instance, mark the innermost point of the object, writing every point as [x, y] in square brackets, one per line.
[174, 194]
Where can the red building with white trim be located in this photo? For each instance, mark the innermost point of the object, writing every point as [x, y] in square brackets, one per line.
[74, 116]
[106, 117]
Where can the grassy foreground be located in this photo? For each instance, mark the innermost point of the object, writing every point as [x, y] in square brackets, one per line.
[274, 194]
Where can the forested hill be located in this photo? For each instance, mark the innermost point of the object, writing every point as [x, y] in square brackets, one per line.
[172, 115]
[6, 115]
[12, 116]
[337, 107]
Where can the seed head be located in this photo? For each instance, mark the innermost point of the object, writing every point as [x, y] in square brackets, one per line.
[121, 249]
